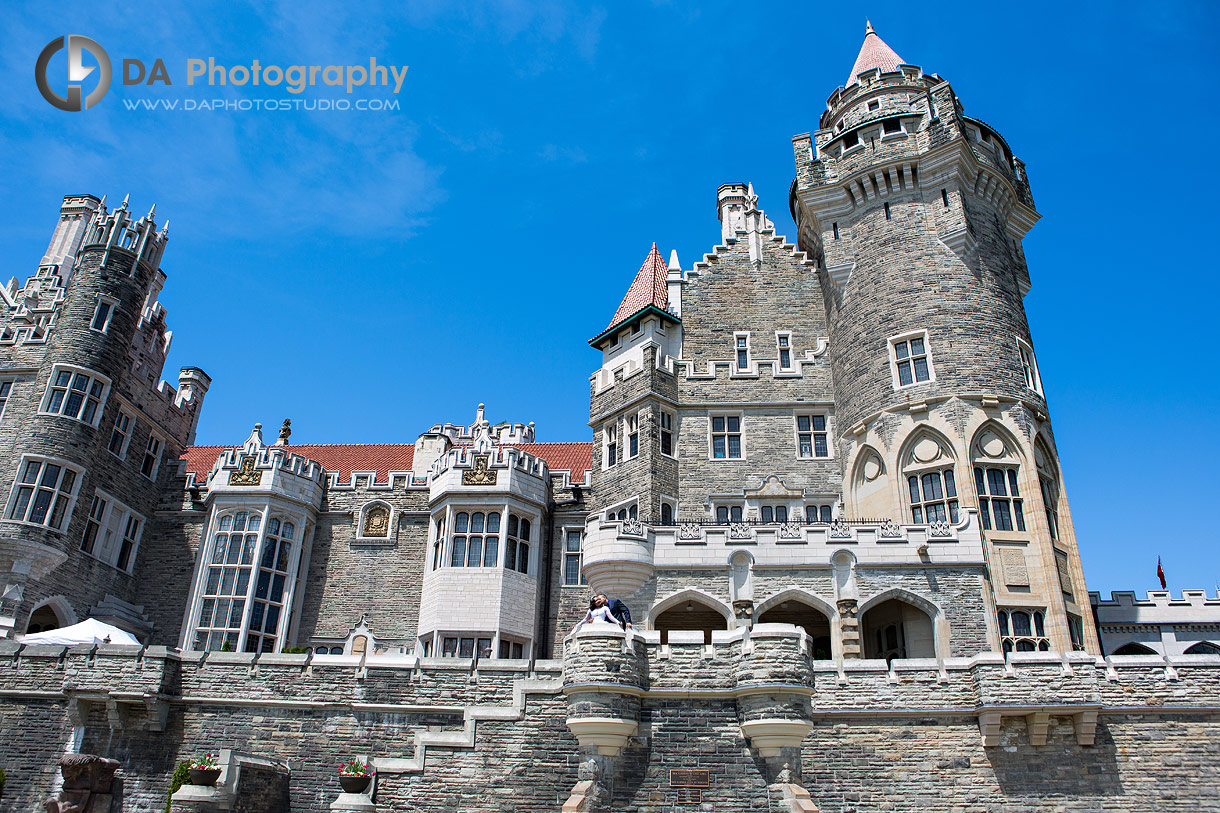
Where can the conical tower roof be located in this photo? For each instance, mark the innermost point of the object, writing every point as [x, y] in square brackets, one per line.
[649, 289]
[874, 53]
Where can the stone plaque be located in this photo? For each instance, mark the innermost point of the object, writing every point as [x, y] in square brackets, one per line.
[1016, 573]
[688, 796]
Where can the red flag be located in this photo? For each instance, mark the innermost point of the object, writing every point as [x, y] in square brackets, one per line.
[1160, 573]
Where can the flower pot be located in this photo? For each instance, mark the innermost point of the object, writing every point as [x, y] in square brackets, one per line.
[204, 776]
[354, 783]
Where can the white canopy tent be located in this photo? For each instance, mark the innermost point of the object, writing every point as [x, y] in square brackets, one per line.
[89, 631]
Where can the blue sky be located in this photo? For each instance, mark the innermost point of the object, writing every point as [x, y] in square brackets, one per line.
[369, 274]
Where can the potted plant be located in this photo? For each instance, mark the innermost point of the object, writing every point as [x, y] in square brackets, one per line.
[204, 770]
[355, 776]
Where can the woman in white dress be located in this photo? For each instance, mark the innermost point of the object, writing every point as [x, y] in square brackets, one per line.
[598, 611]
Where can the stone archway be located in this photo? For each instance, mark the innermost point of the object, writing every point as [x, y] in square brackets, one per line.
[50, 615]
[799, 613]
[895, 628]
[690, 613]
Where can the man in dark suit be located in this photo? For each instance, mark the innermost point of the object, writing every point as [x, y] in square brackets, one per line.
[619, 610]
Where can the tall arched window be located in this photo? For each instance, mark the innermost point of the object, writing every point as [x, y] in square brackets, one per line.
[270, 588]
[996, 470]
[930, 483]
[226, 583]
[1048, 483]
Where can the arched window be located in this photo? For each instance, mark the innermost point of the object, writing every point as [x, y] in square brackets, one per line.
[226, 581]
[1134, 649]
[897, 629]
[1203, 648]
[996, 469]
[1048, 483]
[270, 587]
[1023, 630]
[931, 485]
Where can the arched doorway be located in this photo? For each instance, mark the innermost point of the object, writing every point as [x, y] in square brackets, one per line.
[1203, 648]
[1133, 649]
[691, 614]
[812, 620]
[897, 629]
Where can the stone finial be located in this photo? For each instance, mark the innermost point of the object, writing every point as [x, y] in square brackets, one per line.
[868, 28]
[285, 433]
[126, 198]
[255, 441]
[152, 212]
[674, 265]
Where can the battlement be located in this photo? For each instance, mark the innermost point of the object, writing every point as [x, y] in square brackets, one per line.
[497, 468]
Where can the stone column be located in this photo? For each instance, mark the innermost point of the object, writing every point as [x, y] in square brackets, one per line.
[774, 680]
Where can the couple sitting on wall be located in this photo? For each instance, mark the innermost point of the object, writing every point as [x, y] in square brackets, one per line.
[610, 610]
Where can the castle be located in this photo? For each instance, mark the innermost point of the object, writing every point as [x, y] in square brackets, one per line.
[822, 476]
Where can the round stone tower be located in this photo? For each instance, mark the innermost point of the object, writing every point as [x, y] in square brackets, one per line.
[914, 213]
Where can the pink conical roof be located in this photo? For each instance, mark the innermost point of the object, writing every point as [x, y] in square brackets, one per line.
[874, 53]
[649, 288]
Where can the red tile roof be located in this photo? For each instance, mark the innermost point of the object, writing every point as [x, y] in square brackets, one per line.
[649, 288]
[344, 458]
[874, 53]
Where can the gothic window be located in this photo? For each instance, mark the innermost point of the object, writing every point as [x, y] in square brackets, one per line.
[476, 539]
[572, 558]
[1023, 630]
[930, 485]
[225, 581]
[376, 522]
[517, 547]
[1029, 367]
[633, 436]
[102, 314]
[725, 437]
[121, 435]
[112, 532]
[910, 359]
[667, 434]
[1076, 632]
[996, 476]
[667, 513]
[1048, 480]
[76, 393]
[624, 511]
[811, 436]
[783, 343]
[267, 608]
[1202, 648]
[43, 493]
[438, 547]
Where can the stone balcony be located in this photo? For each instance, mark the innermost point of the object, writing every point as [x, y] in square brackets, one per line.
[621, 555]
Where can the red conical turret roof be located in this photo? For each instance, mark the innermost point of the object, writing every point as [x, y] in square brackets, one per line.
[874, 53]
[649, 289]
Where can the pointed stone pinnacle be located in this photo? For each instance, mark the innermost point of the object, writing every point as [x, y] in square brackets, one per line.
[674, 265]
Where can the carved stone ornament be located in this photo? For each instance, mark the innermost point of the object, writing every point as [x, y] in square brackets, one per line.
[940, 529]
[480, 475]
[376, 522]
[246, 474]
[790, 530]
[839, 529]
[690, 530]
[633, 527]
[890, 529]
[739, 530]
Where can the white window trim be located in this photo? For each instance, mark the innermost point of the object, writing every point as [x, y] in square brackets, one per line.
[364, 509]
[581, 582]
[631, 420]
[72, 497]
[750, 367]
[741, 433]
[673, 433]
[779, 356]
[891, 344]
[535, 521]
[121, 454]
[607, 427]
[12, 382]
[44, 406]
[111, 505]
[729, 504]
[673, 507]
[1023, 347]
[502, 509]
[614, 509]
[796, 435]
[114, 305]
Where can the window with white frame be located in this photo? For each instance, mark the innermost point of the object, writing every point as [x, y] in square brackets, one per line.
[438, 546]
[667, 512]
[783, 342]
[610, 434]
[44, 492]
[911, 359]
[512, 649]
[112, 532]
[772, 514]
[476, 539]
[1000, 504]
[725, 437]
[628, 510]
[1023, 630]
[933, 496]
[728, 513]
[102, 314]
[6, 389]
[818, 513]
[741, 346]
[572, 574]
[667, 434]
[633, 436]
[120, 436]
[76, 393]
[1029, 367]
[267, 608]
[517, 545]
[811, 436]
[152, 458]
[225, 582]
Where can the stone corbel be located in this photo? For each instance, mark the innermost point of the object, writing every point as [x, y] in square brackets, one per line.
[1037, 720]
[1086, 726]
[1038, 723]
[607, 734]
[769, 737]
